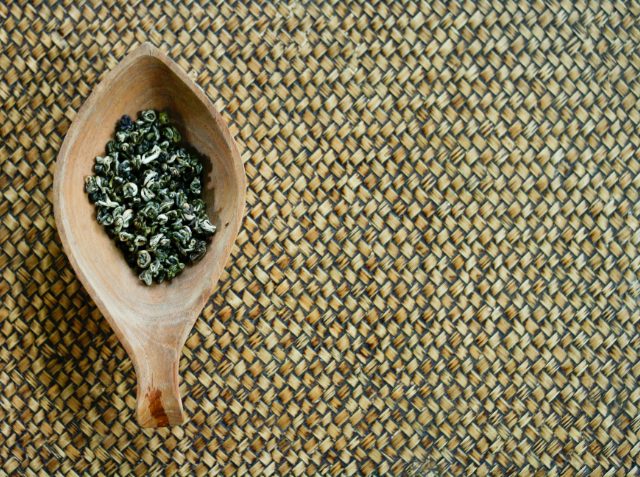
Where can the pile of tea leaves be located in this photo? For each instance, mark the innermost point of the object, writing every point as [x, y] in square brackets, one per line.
[148, 195]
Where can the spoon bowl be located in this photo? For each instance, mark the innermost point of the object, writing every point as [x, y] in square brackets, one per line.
[151, 322]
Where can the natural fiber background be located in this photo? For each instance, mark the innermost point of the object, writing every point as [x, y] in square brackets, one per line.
[438, 270]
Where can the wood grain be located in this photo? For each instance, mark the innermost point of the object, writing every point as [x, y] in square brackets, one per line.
[151, 322]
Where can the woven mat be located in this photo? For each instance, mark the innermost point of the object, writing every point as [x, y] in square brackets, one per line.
[438, 268]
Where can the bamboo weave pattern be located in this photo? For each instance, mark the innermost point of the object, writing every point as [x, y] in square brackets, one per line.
[438, 269]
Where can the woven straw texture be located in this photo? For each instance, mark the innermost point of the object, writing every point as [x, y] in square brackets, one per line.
[438, 268]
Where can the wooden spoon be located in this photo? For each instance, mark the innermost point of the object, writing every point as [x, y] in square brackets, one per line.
[151, 322]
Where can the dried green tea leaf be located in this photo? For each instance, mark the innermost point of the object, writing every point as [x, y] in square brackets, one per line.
[148, 195]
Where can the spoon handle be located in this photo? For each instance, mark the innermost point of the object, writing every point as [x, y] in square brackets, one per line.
[158, 402]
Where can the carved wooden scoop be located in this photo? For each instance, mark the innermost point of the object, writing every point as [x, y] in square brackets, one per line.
[152, 322]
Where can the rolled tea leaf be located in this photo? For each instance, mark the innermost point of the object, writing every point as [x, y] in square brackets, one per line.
[147, 191]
